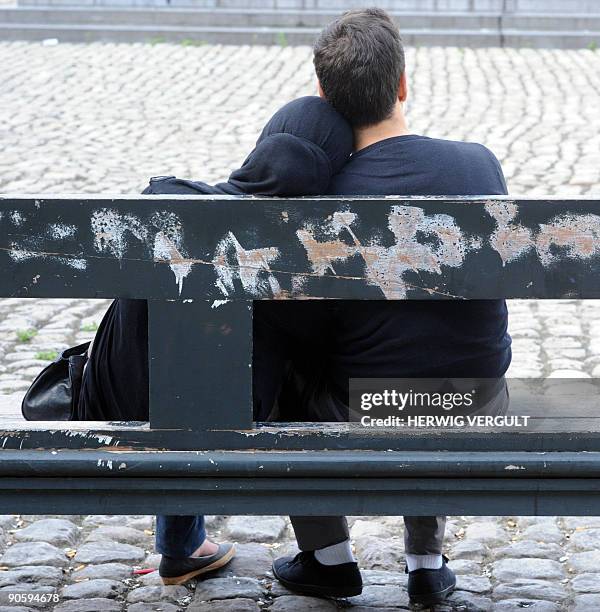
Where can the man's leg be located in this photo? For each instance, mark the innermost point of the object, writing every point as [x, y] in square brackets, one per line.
[314, 532]
[326, 565]
[423, 541]
[430, 580]
[186, 553]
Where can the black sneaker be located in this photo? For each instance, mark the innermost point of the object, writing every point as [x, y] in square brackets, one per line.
[179, 571]
[431, 586]
[304, 574]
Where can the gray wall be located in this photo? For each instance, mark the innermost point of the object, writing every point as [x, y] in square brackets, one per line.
[520, 6]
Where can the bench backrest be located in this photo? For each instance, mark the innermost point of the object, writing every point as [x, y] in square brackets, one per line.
[202, 261]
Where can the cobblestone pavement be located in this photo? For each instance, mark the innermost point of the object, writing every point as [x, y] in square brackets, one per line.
[104, 118]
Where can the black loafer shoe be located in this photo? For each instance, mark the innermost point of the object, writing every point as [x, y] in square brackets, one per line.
[431, 586]
[304, 574]
[179, 571]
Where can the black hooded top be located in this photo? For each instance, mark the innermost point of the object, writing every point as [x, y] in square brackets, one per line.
[299, 150]
[302, 146]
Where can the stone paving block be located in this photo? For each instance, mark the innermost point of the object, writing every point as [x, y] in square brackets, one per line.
[101, 552]
[99, 520]
[509, 570]
[33, 553]
[229, 588]
[398, 578]
[37, 574]
[473, 584]
[170, 593]
[256, 528]
[486, 532]
[89, 589]
[585, 539]
[581, 522]
[530, 605]
[251, 560]
[540, 550]
[112, 571]
[381, 596]
[379, 553]
[118, 533]
[7, 521]
[551, 590]
[151, 579]
[158, 606]
[586, 603]
[469, 602]
[225, 605]
[586, 583]
[380, 527]
[544, 532]
[468, 549]
[585, 561]
[465, 566]
[308, 604]
[89, 605]
[59, 532]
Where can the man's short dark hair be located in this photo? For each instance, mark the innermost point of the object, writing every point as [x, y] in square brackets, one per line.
[359, 60]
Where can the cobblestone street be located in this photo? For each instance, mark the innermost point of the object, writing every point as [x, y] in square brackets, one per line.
[103, 118]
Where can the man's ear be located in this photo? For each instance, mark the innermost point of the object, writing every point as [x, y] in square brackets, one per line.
[320, 89]
[403, 88]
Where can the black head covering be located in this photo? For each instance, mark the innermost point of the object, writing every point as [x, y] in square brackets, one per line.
[316, 121]
[302, 146]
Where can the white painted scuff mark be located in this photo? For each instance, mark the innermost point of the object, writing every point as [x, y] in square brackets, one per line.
[111, 231]
[515, 467]
[60, 231]
[232, 261]
[16, 217]
[122, 466]
[579, 235]
[166, 250]
[510, 240]
[218, 303]
[107, 463]
[385, 266]
[19, 255]
[74, 262]
[101, 438]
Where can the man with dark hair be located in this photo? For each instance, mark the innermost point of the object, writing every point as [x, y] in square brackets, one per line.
[359, 61]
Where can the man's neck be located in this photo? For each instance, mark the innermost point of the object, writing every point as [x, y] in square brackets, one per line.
[394, 126]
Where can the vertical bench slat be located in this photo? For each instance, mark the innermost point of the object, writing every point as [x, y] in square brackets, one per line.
[200, 360]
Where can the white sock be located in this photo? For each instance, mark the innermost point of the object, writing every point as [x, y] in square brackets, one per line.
[335, 554]
[415, 562]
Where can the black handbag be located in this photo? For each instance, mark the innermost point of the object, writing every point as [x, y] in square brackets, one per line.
[54, 394]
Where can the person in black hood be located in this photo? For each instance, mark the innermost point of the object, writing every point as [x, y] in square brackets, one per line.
[299, 150]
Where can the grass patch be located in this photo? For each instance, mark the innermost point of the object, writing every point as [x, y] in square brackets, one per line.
[157, 40]
[25, 335]
[191, 42]
[46, 355]
[282, 40]
[593, 46]
[90, 327]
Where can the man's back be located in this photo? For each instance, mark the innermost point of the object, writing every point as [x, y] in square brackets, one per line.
[417, 165]
[420, 338]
